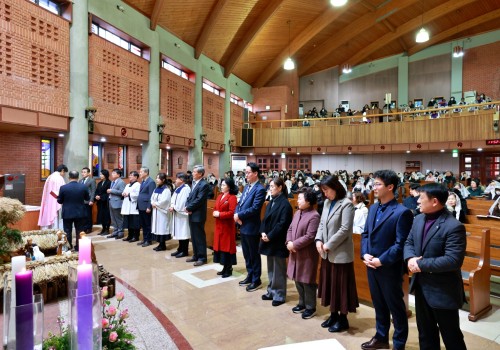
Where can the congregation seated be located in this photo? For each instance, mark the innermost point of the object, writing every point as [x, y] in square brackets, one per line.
[323, 112]
[475, 189]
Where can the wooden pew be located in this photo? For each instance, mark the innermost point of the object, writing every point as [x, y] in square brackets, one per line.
[494, 245]
[476, 274]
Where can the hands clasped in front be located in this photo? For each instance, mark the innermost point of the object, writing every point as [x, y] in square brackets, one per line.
[371, 261]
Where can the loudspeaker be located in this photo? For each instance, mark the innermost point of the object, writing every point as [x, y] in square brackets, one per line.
[247, 137]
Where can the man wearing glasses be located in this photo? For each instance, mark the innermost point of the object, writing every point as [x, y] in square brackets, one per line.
[247, 215]
[382, 244]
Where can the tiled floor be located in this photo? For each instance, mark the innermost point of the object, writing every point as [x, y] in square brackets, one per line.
[216, 313]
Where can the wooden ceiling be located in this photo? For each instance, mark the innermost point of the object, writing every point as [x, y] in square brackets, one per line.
[250, 38]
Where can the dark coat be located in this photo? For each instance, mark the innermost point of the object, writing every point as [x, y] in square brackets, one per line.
[196, 202]
[442, 254]
[147, 188]
[249, 210]
[275, 225]
[72, 196]
[103, 216]
[303, 264]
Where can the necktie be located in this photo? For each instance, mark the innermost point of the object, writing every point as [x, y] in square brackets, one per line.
[112, 184]
[247, 189]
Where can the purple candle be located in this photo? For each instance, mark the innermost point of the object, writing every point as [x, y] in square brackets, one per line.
[84, 306]
[84, 251]
[24, 310]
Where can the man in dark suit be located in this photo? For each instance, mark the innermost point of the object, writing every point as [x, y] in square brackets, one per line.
[247, 215]
[382, 243]
[196, 207]
[89, 182]
[72, 196]
[144, 205]
[115, 203]
[434, 253]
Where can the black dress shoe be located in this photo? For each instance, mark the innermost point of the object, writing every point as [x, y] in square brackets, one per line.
[112, 235]
[267, 297]
[246, 281]
[175, 253]
[298, 309]
[199, 263]
[146, 244]
[119, 236]
[133, 240]
[127, 239]
[253, 286]
[140, 243]
[340, 326]
[159, 249]
[374, 343]
[181, 255]
[278, 302]
[309, 313]
[191, 259]
[228, 273]
[330, 321]
[223, 271]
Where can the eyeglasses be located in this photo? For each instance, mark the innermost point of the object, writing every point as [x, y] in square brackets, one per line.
[378, 184]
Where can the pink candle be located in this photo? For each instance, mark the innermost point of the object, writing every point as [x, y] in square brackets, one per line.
[84, 251]
[84, 305]
[24, 310]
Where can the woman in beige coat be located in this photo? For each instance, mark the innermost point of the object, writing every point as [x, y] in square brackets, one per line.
[337, 286]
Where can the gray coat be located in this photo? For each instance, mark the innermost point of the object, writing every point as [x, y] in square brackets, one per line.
[91, 186]
[115, 196]
[335, 231]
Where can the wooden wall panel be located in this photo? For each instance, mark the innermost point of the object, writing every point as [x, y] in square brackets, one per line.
[213, 117]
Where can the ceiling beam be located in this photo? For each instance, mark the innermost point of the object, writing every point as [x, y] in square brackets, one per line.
[403, 44]
[388, 25]
[209, 26]
[328, 47]
[415, 23]
[314, 28]
[250, 35]
[155, 15]
[369, 6]
[443, 36]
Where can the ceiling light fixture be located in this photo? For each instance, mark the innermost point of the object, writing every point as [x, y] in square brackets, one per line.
[338, 3]
[458, 51]
[346, 69]
[289, 64]
[422, 35]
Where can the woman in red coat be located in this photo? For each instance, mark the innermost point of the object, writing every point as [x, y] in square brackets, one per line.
[225, 229]
[303, 260]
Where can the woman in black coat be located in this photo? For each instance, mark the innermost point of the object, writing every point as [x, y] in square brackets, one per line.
[101, 198]
[273, 230]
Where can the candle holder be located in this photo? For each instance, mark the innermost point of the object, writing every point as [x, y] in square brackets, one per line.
[73, 278]
[85, 321]
[20, 321]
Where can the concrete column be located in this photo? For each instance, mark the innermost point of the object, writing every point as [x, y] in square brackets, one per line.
[150, 149]
[196, 153]
[225, 157]
[456, 74]
[402, 80]
[76, 143]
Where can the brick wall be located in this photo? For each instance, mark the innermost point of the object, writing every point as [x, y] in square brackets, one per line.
[211, 164]
[176, 167]
[213, 117]
[118, 85]
[34, 58]
[25, 150]
[481, 70]
[177, 104]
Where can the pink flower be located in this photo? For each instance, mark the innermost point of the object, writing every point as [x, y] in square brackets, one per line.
[104, 292]
[120, 296]
[113, 336]
[105, 323]
[124, 314]
[111, 311]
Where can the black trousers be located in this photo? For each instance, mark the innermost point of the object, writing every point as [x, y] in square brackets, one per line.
[199, 240]
[145, 220]
[430, 322]
[68, 229]
[88, 223]
[250, 247]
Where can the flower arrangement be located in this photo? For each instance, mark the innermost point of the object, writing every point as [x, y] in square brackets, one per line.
[115, 332]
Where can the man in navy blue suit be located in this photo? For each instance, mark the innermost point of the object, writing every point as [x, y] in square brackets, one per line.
[72, 196]
[247, 215]
[434, 252]
[144, 205]
[382, 244]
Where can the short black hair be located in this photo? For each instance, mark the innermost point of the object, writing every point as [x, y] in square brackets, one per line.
[309, 195]
[105, 173]
[435, 190]
[254, 167]
[182, 176]
[118, 171]
[333, 182]
[163, 178]
[86, 168]
[414, 186]
[62, 167]
[134, 173]
[233, 189]
[388, 177]
[73, 174]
